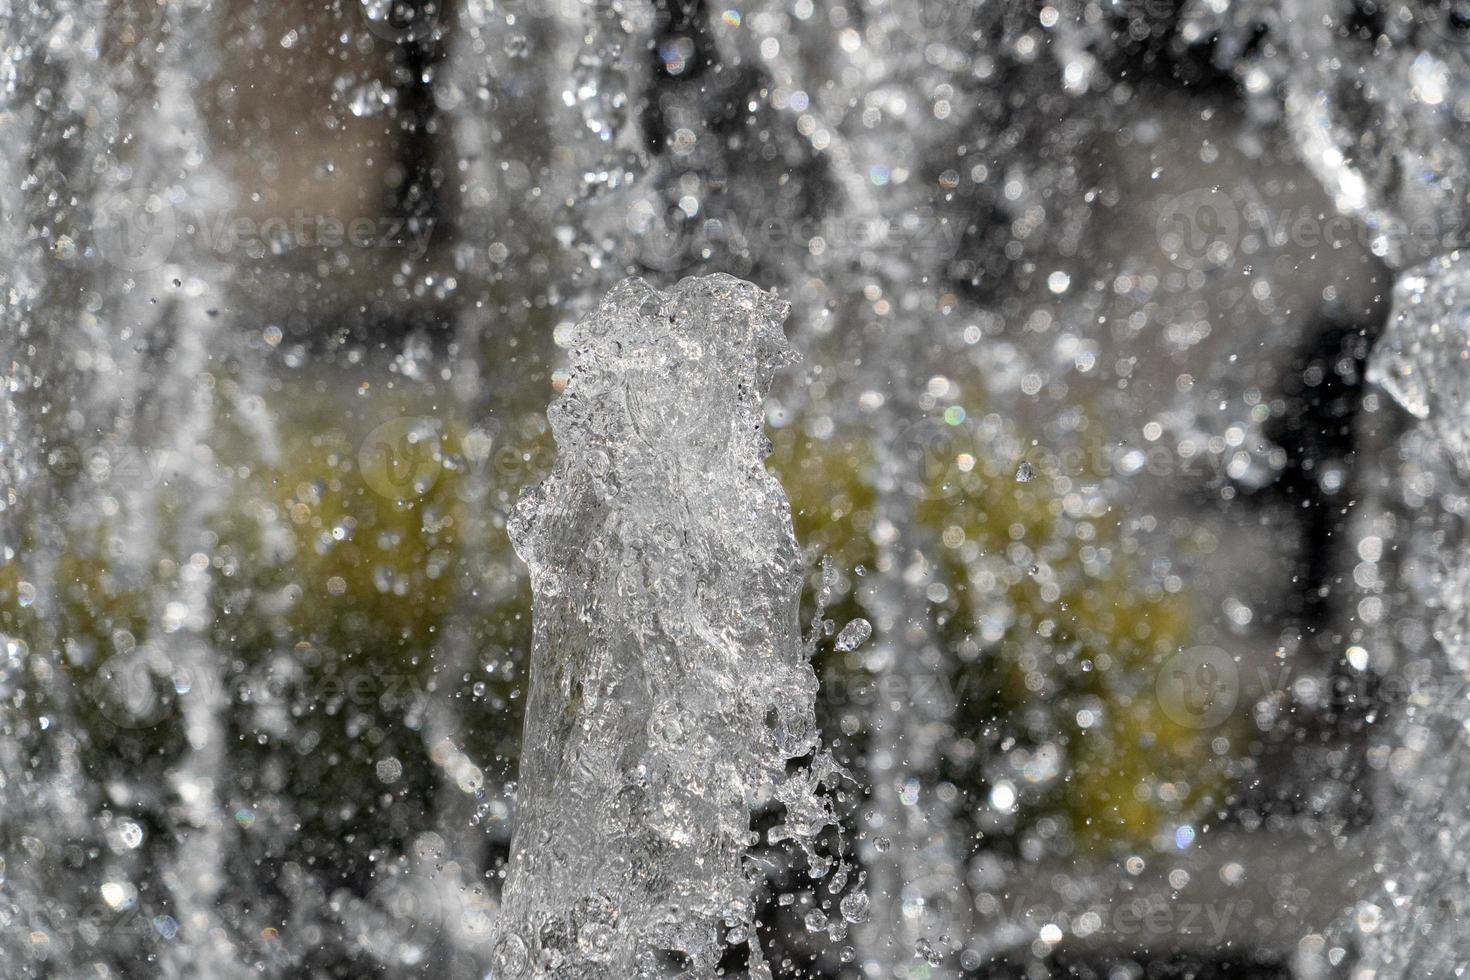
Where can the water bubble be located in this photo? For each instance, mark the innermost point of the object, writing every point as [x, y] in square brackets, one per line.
[402, 458]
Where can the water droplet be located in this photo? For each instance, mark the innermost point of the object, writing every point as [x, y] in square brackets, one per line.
[854, 635]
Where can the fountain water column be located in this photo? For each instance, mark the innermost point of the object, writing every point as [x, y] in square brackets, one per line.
[128, 379]
[486, 44]
[602, 48]
[587, 147]
[584, 154]
[872, 125]
[178, 162]
[1377, 119]
[134, 379]
[21, 276]
[52, 69]
[1413, 924]
[669, 682]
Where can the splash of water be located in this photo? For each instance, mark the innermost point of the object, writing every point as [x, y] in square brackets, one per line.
[670, 686]
[1410, 922]
[1376, 119]
[1375, 115]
